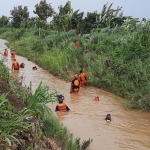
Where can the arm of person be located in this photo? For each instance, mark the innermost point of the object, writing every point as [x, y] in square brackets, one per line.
[71, 88]
[67, 108]
[56, 108]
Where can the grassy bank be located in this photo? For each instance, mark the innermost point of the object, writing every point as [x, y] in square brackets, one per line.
[117, 59]
[26, 122]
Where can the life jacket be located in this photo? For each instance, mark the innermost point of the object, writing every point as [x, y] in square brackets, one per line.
[76, 44]
[82, 76]
[96, 98]
[16, 65]
[76, 82]
[62, 107]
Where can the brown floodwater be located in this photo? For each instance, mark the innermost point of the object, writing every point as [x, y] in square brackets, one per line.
[128, 130]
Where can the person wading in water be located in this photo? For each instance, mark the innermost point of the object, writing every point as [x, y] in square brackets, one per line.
[75, 85]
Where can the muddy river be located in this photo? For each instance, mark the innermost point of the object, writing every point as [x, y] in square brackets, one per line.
[128, 130]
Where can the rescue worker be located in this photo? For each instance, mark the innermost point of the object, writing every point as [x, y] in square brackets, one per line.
[83, 78]
[34, 68]
[62, 106]
[13, 54]
[108, 117]
[96, 98]
[22, 65]
[76, 44]
[15, 64]
[5, 52]
[75, 85]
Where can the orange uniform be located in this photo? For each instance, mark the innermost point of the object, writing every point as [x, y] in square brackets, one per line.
[96, 98]
[76, 44]
[62, 107]
[13, 54]
[83, 78]
[15, 65]
[5, 53]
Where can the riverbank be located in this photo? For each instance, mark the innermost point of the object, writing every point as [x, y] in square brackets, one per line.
[25, 131]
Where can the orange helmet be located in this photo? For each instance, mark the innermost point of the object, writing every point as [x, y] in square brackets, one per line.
[76, 76]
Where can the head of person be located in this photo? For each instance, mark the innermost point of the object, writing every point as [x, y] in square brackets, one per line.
[76, 76]
[81, 71]
[60, 97]
[60, 101]
[75, 41]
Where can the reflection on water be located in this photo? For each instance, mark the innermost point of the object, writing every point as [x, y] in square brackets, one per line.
[15, 73]
[61, 115]
[128, 130]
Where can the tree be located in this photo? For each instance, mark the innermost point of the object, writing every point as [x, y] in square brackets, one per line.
[110, 17]
[19, 15]
[88, 22]
[61, 20]
[75, 20]
[43, 10]
[3, 21]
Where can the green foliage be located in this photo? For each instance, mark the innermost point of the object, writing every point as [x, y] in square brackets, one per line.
[43, 10]
[4, 21]
[89, 22]
[61, 20]
[19, 15]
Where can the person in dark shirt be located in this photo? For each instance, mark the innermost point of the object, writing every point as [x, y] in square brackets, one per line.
[108, 117]
[75, 85]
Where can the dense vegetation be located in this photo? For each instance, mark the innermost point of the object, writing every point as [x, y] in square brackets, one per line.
[114, 48]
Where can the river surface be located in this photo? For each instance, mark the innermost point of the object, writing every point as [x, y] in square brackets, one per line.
[128, 130]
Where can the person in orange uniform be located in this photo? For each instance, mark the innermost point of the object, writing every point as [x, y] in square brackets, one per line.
[62, 106]
[15, 64]
[76, 44]
[96, 98]
[5, 52]
[83, 78]
[75, 85]
[13, 54]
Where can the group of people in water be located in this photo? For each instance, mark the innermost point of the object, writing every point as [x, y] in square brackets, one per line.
[15, 64]
[78, 81]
